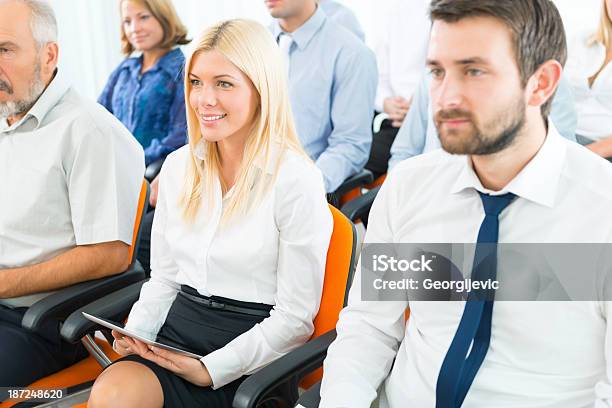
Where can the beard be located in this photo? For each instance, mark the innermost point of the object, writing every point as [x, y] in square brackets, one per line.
[21, 106]
[493, 136]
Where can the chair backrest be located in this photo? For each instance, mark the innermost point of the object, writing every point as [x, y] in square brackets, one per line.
[378, 182]
[339, 271]
[354, 193]
[143, 206]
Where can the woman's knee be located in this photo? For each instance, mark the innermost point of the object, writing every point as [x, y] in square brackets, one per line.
[126, 384]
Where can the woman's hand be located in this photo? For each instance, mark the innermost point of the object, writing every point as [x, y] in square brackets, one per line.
[120, 345]
[188, 368]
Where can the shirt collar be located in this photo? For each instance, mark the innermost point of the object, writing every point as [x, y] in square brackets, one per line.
[47, 100]
[303, 34]
[538, 181]
[171, 63]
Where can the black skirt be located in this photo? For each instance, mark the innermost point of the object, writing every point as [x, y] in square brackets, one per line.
[192, 326]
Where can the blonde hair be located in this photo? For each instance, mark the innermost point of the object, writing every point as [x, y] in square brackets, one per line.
[175, 32]
[250, 47]
[604, 31]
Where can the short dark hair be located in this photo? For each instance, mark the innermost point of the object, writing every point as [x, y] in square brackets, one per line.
[537, 30]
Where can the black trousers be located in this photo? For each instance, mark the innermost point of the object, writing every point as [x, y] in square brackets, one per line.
[380, 153]
[25, 356]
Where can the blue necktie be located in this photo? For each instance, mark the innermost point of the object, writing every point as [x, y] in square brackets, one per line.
[458, 372]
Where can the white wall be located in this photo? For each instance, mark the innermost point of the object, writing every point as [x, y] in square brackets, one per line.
[579, 16]
[89, 41]
[89, 29]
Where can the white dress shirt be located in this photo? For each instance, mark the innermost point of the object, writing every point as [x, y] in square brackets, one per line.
[274, 255]
[71, 175]
[542, 354]
[401, 49]
[593, 103]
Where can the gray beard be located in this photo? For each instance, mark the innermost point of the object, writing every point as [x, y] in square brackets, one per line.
[19, 107]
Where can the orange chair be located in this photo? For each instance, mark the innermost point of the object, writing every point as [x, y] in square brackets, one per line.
[277, 384]
[61, 304]
[358, 209]
[377, 182]
[338, 275]
[356, 204]
[351, 187]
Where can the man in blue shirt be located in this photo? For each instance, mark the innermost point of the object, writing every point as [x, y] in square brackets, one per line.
[342, 15]
[332, 85]
[418, 133]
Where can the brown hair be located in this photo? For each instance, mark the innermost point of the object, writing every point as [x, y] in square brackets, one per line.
[175, 32]
[537, 30]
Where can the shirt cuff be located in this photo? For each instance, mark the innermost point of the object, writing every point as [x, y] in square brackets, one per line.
[223, 365]
[346, 394]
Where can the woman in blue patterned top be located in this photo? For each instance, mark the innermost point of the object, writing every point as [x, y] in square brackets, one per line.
[146, 92]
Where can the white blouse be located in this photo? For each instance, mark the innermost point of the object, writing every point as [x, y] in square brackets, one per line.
[593, 104]
[274, 255]
[401, 49]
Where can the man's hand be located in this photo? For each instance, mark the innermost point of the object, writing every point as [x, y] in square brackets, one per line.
[397, 108]
[154, 191]
[188, 368]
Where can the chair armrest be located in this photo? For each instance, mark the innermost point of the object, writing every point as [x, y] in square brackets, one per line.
[291, 367]
[360, 206]
[62, 303]
[311, 397]
[359, 179]
[378, 120]
[115, 306]
[153, 169]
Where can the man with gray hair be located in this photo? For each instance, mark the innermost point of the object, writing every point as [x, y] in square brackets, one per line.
[70, 176]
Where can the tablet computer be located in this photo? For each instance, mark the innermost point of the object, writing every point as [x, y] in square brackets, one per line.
[139, 336]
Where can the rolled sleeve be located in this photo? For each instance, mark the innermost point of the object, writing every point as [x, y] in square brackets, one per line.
[104, 181]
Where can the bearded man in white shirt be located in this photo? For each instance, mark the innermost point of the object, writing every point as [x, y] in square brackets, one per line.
[495, 66]
[70, 176]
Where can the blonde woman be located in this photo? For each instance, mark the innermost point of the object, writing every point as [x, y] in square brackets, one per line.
[590, 74]
[145, 92]
[239, 238]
